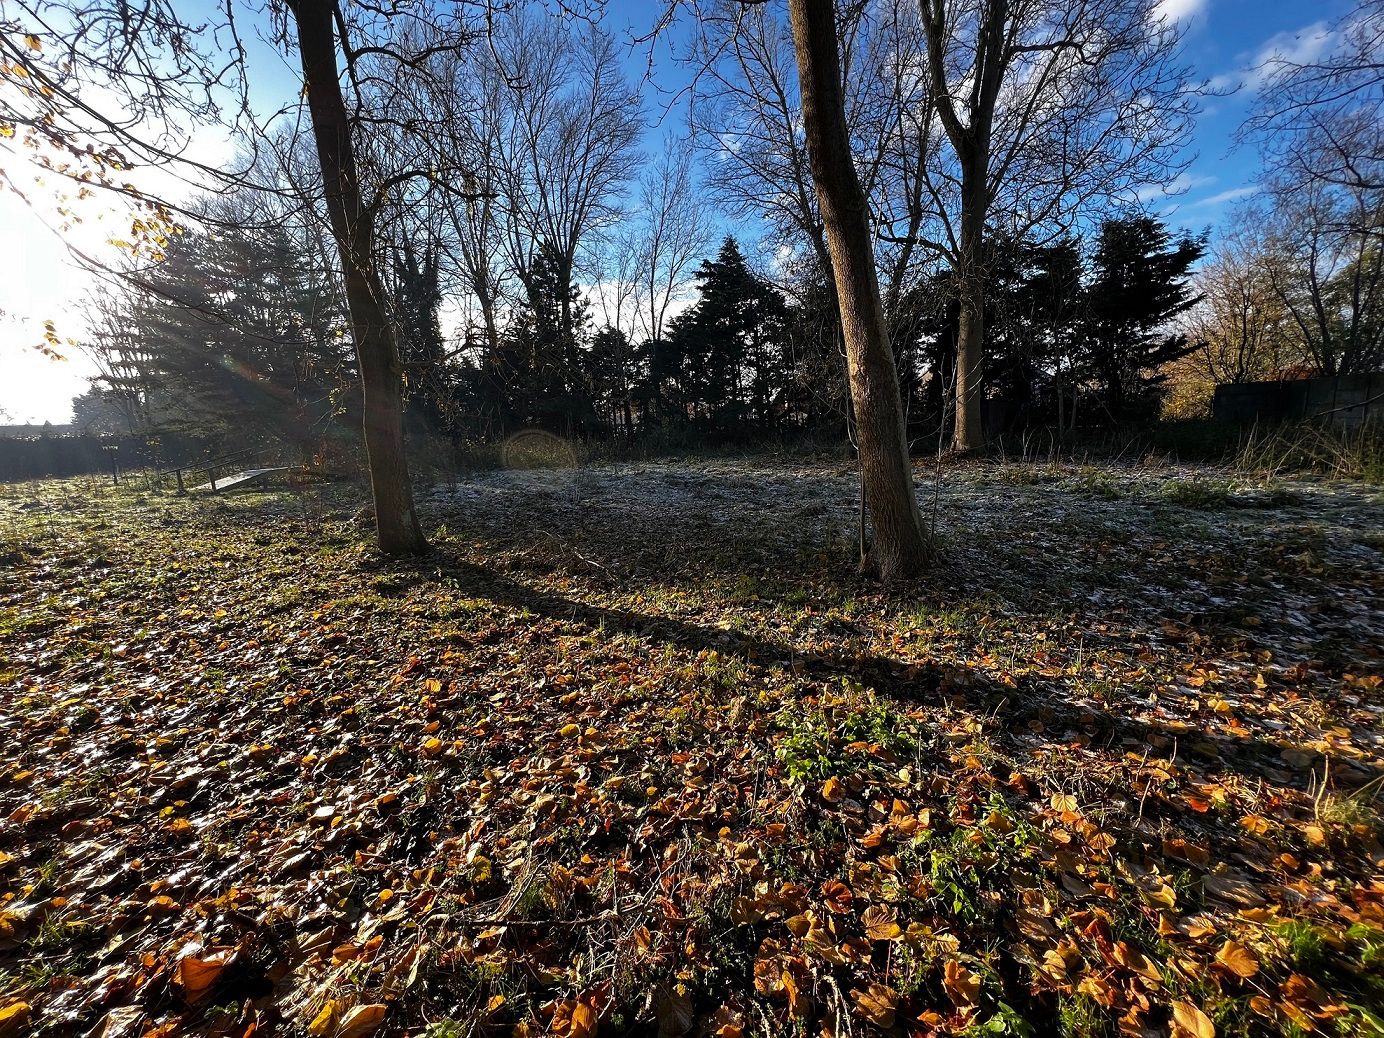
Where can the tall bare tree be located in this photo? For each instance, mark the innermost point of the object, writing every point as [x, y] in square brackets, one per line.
[748, 113]
[570, 142]
[1046, 106]
[155, 63]
[672, 234]
[900, 547]
[1325, 261]
[352, 216]
[1319, 124]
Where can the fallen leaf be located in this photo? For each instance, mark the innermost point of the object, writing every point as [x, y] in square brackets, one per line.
[1237, 959]
[1191, 1022]
[1063, 803]
[675, 1015]
[325, 1022]
[584, 1021]
[362, 1020]
[196, 977]
[876, 1004]
[961, 985]
[14, 1019]
[881, 923]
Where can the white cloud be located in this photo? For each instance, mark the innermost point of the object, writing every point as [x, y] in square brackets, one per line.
[1179, 185]
[1177, 10]
[1294, 47]
[1224, 196]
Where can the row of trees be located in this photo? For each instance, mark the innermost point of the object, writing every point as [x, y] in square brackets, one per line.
[232, 337]
[925, 172]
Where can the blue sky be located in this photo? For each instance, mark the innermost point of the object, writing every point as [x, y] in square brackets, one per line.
[1225, 39]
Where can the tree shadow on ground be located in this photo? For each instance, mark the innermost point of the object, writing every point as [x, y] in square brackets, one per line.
[1044, 712]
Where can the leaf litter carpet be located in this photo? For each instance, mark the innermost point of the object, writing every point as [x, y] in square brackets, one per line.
[635, 751]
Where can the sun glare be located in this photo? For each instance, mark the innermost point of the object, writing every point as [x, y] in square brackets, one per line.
[39, 282]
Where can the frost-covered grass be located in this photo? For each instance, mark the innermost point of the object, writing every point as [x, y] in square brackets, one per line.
[636, 745]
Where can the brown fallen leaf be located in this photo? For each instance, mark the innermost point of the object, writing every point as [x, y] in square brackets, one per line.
[1238, 959]
[1233, 889]
[961, 985]
[728, 1023]
[675, 1013]
[125, 1022]
[881, 923]
[876, 1004]
[1133, 959]
[1191, 1022]
[362, 1020]
[838, 896]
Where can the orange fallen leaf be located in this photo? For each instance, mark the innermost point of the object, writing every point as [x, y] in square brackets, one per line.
[362, 1020]
[14, 1019]
[196, 976]
[584, 1021]
[1191, 1022]
[838, 896]
[1238, 959]
[961, 985]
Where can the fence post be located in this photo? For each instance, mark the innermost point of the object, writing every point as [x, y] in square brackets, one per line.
[115, 463]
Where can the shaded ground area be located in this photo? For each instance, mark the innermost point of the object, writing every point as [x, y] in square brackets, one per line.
[635, 751]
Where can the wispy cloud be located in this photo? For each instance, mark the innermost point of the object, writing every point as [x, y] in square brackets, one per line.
[1292, 47]
[1179, 185]
[1224, 196]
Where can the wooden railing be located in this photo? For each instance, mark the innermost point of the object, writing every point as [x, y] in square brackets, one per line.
[215, 468]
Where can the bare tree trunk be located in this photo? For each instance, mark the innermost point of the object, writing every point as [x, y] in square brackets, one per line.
[971, 141]
[900, 546]
[969, 434]
[377, 351]
[486, 301]
[1061, 401]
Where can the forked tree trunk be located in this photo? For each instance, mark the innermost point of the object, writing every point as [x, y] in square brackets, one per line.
[377, 350]
[900, 546]
[971, 141]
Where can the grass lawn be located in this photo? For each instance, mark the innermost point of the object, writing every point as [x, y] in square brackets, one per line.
[636, 751]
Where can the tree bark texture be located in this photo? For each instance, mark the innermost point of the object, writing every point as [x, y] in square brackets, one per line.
[900, 547]
[352, 223]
